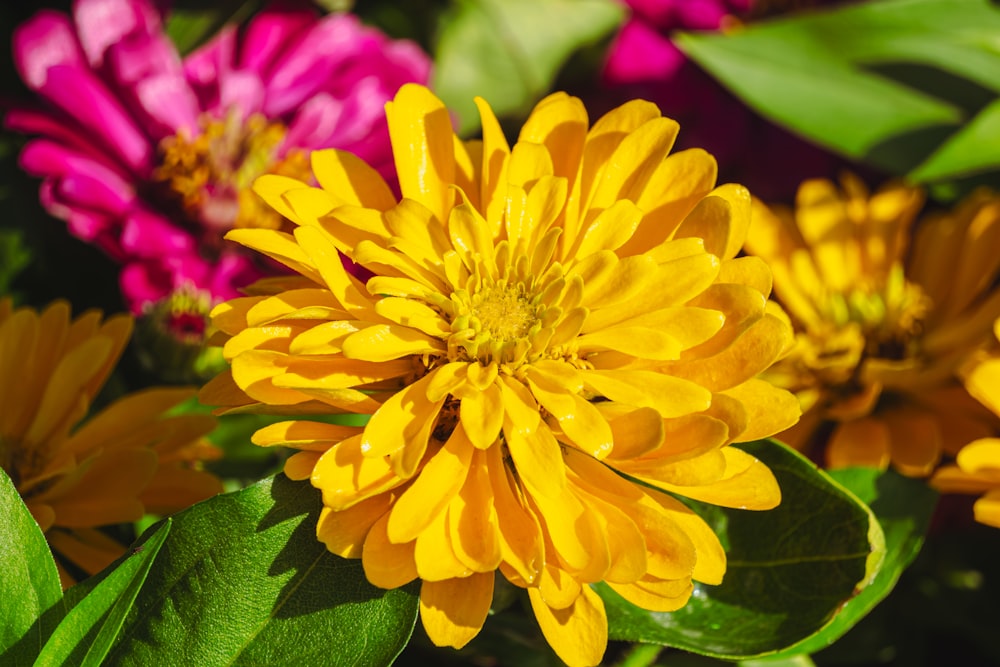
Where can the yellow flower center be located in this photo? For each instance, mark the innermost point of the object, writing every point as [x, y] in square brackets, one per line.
[497, 323]
[870, 322]
[211, 174]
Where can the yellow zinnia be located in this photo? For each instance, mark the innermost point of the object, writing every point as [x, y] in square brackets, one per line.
[547, 323]
[882, 327]
[128, 459]
[977, 466]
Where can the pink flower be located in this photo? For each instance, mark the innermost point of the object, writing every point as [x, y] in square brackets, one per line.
[150, 156]
[643, 61]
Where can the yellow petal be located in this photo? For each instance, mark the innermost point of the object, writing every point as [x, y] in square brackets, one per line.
[107, 490]
[344, 532]
[435, 557]
[987, 509]
[770, 409]
[579, 633]
[351, 180]
[272, 189]
[387, 565]
[750, 486]
[302, 434]
[401, 428]
[472, 520]
[423, 147]
[860, 442]
[438, 482]
[577, 417]
[481, 414]
[279, 246]
[668, 395]
[662, 596]
[710, 222]
[346, 477]
[520, 535]
[453, 611]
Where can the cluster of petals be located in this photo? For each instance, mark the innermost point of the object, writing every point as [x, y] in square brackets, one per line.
[976, 469]
[112, 92]
[887, 310]
[547, 324]
[128, 459]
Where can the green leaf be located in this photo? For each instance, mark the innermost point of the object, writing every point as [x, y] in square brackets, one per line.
[789, 569]
[87, 632]
[884, 82]
[903, 507]
[509, 51]
[188, 27]
[973, 149]
[243, 580]
[28, 578]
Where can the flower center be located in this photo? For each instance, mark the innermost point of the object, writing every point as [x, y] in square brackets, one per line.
[211, 174]
[497, 323]
[883, 323]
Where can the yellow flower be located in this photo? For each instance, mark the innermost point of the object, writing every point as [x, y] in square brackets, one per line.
[547, 324]
[128, 459]
[977, 466]
[882, 329]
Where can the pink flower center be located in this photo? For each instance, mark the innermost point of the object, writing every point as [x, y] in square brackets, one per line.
[211, 174]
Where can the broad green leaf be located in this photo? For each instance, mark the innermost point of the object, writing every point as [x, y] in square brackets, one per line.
[885, 82]
[28, 578]
[789, 571]
[87, 632]
[903, 507]
[509, 51]
[243, 580]
[974, 148]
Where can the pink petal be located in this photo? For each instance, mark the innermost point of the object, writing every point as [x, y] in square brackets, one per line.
[170, 104]
[143, 283]
[58, 127]
[44, 41]
[205, 65]
[102, 23]
[306, 67]
[270, 33]
[642, 54]
[148, 234]
[80, 93]
[136, 58]
[242, 90]
[315, 124]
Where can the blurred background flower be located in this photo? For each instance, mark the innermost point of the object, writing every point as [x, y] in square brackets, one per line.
[149, 156]
[130, 458]
[886, 316]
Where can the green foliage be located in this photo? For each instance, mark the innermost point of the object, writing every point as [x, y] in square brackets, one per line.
[510, 51]
[28, 578]
[908, 86]
[790, 569]
[244, 581]
[903, 507]
[87, 632]
[190, 24]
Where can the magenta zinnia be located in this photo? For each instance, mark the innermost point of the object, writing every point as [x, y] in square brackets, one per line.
[548, 323]
[75, 472]
[151, 157]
